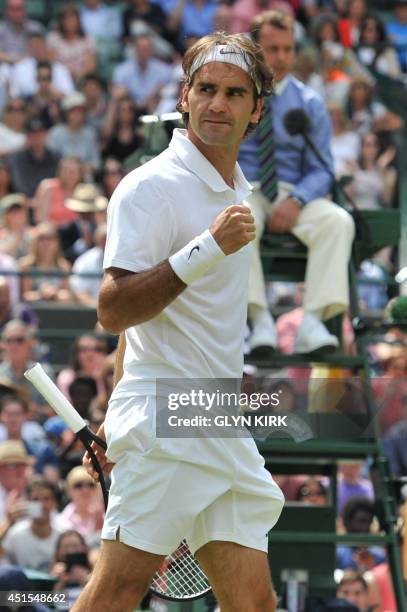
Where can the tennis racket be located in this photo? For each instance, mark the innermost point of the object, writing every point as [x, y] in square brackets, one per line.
[179, 578]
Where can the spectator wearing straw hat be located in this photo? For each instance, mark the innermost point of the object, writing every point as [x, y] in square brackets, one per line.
[73, 138]
[77, 236]
[15, 465]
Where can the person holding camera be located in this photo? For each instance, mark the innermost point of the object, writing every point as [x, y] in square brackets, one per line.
[30, 542]
[71, 565]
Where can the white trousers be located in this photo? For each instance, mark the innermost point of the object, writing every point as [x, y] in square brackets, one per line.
[328, 231]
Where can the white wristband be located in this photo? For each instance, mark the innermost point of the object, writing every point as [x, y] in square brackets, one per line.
[196, 258]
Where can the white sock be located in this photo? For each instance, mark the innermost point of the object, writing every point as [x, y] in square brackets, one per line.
[260, 316]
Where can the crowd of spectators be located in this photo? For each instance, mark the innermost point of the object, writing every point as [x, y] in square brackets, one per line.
[73, 88]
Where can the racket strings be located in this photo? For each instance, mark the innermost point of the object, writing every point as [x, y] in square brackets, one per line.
[180, 576]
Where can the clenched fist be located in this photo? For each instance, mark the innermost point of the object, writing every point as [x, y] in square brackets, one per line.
[233, 228]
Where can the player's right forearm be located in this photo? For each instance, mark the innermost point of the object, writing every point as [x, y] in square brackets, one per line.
[128, 298]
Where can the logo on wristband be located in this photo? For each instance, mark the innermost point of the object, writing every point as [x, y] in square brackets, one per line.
[192, 250]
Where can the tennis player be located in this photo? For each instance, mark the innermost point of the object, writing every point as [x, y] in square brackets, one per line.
[175, 289]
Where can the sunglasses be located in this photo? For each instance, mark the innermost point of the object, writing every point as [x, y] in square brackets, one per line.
[112, 172]
[16, 340]
[84, 485]
[88, 349]
[16, 109]
[48, 237]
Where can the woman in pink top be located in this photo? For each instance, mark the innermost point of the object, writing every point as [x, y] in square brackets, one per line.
[85, 511]
[70, 46]
[49, 200]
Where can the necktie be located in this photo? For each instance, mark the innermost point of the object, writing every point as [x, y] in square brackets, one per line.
[267, 162]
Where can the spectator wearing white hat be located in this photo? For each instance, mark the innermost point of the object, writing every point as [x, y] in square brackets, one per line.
[74, 138]
[15, 231]
[12, 137]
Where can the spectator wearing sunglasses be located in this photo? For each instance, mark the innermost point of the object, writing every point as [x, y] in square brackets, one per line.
[45, 101]
[12, 136]
[18, 342]
[88, 359]
[85, 511]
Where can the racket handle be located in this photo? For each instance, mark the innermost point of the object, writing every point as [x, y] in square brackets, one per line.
[48, 389]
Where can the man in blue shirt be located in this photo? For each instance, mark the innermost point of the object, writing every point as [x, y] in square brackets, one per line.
[301, 205]
[143, 76]
[397, 31]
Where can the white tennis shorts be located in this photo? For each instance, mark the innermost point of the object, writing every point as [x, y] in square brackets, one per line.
[166, 489]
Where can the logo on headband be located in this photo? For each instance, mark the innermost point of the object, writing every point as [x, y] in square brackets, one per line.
[226, 50]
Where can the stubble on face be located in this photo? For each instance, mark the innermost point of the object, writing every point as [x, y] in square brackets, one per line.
[220, 104]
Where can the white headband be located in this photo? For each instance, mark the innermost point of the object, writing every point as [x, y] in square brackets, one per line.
[229, 54]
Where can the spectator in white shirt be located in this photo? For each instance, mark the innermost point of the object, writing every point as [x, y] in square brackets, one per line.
[31, 542]
[23, 79]
[86, 290]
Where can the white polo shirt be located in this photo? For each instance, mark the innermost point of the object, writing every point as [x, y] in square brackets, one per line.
[155, 211]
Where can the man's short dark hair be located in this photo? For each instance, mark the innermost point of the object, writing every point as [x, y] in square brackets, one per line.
[44, 64]
[43, 483]
[81, 381]
[350, 576]
[354, 505]
[275, 19]
[12, 398]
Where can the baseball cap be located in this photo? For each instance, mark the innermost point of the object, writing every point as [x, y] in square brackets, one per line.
[10, 200]
[35, 124]
[55, 426]
[73, 100]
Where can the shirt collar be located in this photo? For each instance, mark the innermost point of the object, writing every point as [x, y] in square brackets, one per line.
[281, 85]
[197, 163]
